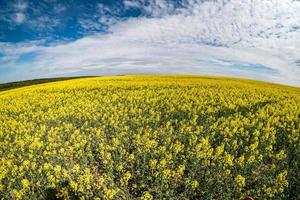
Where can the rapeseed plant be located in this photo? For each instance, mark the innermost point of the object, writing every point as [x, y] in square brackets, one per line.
[150, 137]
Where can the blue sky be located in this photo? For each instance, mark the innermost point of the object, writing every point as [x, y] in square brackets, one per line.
[57, 20]
[257, 39]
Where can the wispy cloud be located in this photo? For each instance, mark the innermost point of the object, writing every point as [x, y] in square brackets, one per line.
[32, 15]
[20, 5]
[254, 39]
[102, 18]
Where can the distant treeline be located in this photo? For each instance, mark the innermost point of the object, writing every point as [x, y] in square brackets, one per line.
[18, 84]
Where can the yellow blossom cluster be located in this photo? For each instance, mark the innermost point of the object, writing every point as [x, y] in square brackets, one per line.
[150, 137]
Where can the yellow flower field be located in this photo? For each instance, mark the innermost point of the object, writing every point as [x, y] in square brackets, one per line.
[150, 137]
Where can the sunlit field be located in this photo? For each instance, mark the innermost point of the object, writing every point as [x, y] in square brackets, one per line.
[150, 137]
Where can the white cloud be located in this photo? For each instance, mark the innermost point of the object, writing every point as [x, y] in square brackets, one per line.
[209, 37]
[131, 4]
[20, 5]
[19, 9]
[32, 15]
[154, 8]
[20, 17]
[59, 8]
[103, 17]
[45, 23]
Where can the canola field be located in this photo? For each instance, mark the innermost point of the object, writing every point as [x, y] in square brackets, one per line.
[150, 137]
